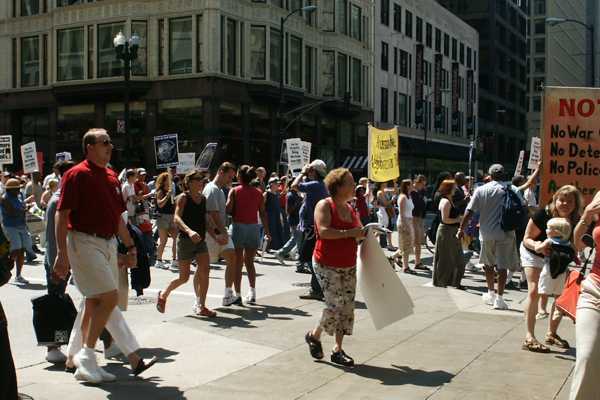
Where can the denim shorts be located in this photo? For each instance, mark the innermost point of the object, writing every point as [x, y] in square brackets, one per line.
[245, 236]
[18, 237]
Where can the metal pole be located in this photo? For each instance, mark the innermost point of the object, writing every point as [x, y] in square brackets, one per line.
[591, 28]
[425, 126]
[127, 73]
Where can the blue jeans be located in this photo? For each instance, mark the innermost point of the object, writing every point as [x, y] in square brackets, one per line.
[293, 242]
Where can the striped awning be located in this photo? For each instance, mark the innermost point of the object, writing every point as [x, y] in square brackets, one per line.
[355, 162]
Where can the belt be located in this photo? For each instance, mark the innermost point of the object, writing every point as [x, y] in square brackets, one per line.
[105, 237]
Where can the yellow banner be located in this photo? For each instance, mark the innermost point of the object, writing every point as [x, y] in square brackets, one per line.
[383, 154]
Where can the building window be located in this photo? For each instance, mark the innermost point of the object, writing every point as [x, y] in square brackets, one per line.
[402, 110]
[108, 63]
[384, 105]
[540, 45]
[309, 69]
[462, 54]
[161, 46]
[356, 81]
[275, 56]
[258, 52]
[537, 104]
[454, 49]
[30, 7]
[342, 14]
[296, 61]
[328, 15]
[419, 35]
[180, 46]
[404, 63]
[385, 12]
[199, 44]
[140, 64]
[228, 46]
[384, 56]
[70, 54]
[540, 27]
[310, 17]
[91, 61]
[355, 20]
[540, 7]
[397, 18]
[30, 61]
[540, 65]
[438, 40]
[395, 60]
[408, 20]
[342, 76]
[45, 64]
[469, 56]
[328, 71]
[428, 35]
[395, 107]
[446, 45]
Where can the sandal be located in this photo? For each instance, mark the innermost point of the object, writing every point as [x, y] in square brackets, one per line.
[314, 345]
[555, 340]
[161, 303]
[205, 312]
[541, 315]
[142, 365]
[421, 266]
[409, 271]
[534, 346]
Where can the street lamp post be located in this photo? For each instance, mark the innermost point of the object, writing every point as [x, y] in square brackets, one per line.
[554, 21]
[127, 51]
[307, 9]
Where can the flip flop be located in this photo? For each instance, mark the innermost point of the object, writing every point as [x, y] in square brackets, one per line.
[555, 340]
[142, 365]
[314, 345]
[161, 303]
[534, 346]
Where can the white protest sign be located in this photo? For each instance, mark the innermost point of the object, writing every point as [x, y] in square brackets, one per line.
[306, 148]
[29, 157]
[294, 153]
[187, 162]
[535, 154]
[6, 153]
[64, 156]
[206, 157]
[520, 163]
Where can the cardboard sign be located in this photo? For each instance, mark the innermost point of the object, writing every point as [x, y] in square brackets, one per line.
[386, 297]
[306, 148]
[63, 156]
[166, 150]
[383, 154]
[294, 155]
[535, 155]
[29, 157]
[206, 157]
[519, 168]
[6, 152]
[187, 162]
[571, 141]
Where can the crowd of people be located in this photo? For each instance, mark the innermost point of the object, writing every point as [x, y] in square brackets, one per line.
[316, 218]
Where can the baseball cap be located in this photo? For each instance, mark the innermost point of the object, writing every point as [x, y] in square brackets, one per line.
[496, 169]
[141, 171]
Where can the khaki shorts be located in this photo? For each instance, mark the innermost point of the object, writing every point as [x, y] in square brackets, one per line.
[165, 222]
[500, 253]
[419, 229]
[93, 263]
[216, 250]
[188, 250]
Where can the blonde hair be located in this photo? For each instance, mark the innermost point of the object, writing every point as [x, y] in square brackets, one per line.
[561, 225]
[335, 179]
[568, 190]
[160, 181]
[52, 183]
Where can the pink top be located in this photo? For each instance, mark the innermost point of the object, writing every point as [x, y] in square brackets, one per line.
[247, 201]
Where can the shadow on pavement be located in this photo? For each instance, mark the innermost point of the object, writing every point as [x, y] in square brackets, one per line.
[399, 375]
[32, 286]
[247, 314]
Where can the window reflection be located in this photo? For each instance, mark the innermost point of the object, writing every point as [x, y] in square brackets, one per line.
[70, 54]
[180, 46]
[108, 63]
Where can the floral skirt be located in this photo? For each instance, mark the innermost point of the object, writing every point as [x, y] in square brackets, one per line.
[339, 290]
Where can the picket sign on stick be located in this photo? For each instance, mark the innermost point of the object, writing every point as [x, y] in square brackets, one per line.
[535, 154]
[29, 157]
[519, 168]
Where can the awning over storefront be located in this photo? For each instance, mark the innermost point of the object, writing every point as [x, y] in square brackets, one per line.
[355, 162]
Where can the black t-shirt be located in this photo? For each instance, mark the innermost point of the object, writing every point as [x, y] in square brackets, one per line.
[540, 219]
[418, 198]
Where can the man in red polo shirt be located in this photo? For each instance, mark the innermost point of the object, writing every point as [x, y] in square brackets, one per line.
[88, 218]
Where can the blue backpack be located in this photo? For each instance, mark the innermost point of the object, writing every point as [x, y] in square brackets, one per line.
[514, 212]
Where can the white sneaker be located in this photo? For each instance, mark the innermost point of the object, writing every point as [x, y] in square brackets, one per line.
[229, 299]
[112, 351]
[251, 297]
[87, 367]
[488, 298]
[174, 266]
[159, 264]
[500, 304]
[106, 376]
[196, 309]
[20, 280]
[55, 356]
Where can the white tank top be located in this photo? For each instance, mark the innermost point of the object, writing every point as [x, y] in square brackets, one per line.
[409, 206]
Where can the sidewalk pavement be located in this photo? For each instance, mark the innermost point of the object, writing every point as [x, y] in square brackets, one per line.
[453, 347]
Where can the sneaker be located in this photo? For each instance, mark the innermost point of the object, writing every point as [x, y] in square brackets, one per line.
[231, 299]
[112, 351]
[174, 266]
[87, 367]
[106, 376]
[341, 358]
[159, 264]
[310, 295]
[488, 298]
[20, 280]
[500, 304]
[238, 301]
[541, 315]
[55, 356]
[251, 297]
[280, 258]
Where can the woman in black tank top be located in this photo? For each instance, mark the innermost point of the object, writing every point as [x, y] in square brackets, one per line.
[192, 221]
[164, 221]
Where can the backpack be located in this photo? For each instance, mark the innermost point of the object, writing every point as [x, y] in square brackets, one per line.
[514, 212]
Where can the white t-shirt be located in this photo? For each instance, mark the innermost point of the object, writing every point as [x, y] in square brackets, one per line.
[128, 190]
[530, 198]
